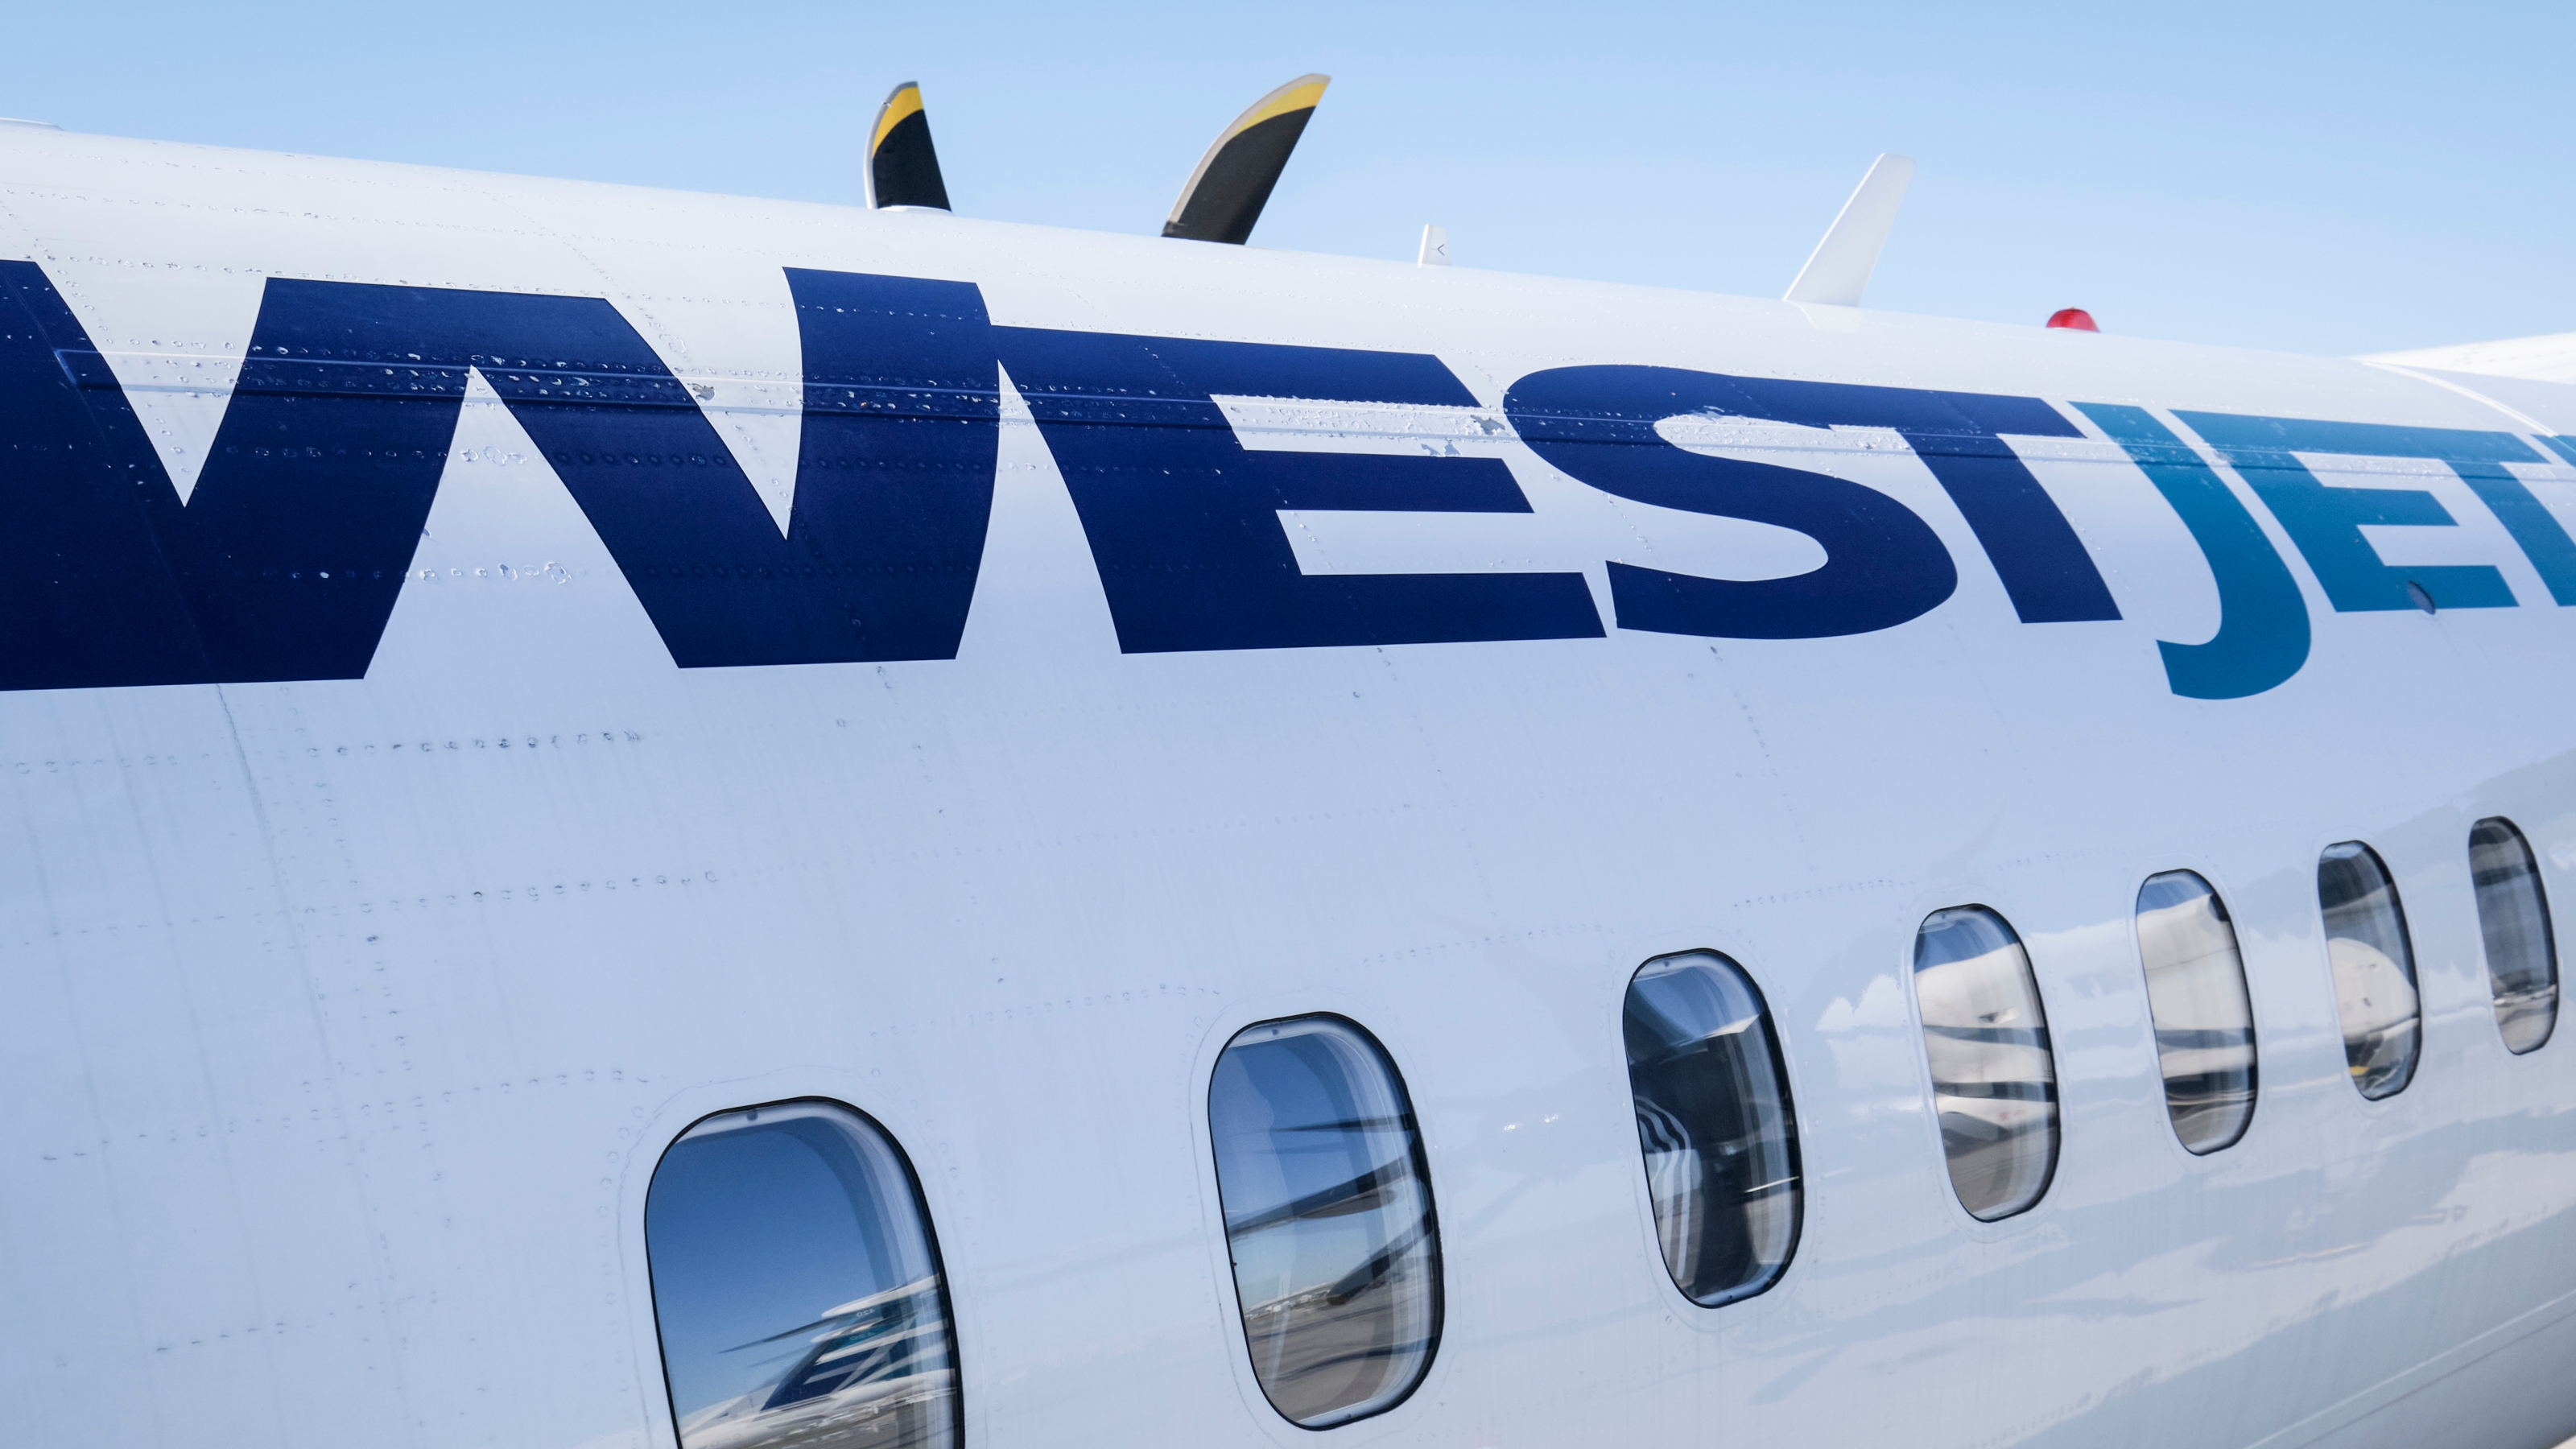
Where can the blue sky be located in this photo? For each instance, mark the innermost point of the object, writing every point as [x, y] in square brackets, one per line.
[2316, 178]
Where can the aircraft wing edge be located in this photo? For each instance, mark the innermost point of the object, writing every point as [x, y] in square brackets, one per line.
[2550, 358]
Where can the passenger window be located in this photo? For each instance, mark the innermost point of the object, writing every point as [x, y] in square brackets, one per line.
[1327, 1201]
[2513, 916]
[2204, 1022]
[797, 1287]
[1994, 1078]
[2374, 968]
[1716, 1126]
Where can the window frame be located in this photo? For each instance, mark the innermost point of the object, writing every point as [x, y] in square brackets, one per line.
[2326, 972]
[2548, 933]
[1795, 1116]
[2210, 877]
[1227, 1294]
[1925, 907]
[928, 1212]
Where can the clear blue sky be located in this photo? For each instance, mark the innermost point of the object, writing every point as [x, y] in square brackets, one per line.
[2313, 177]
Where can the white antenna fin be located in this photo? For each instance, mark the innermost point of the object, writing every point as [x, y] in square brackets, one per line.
[1839, 270]
[1435, 247]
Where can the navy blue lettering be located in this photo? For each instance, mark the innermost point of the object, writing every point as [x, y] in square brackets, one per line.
[1959, 436]
[87, 597]
[1184, 520]
[1883, 565]
[894, 481]
[286, 560]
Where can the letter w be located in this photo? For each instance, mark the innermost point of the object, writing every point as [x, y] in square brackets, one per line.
[286, 560]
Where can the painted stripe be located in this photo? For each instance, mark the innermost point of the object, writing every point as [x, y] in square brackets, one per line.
[906, 101]
[1301, 94]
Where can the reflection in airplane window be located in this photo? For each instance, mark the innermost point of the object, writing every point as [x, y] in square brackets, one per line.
[1994, 1078]
[2204, 1023]
[1327, 1202]
[2513, 916]
[1714, 1120]
[2374, 968]
[797, 1287]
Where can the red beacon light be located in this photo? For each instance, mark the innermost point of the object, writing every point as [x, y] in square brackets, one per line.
[2074, 317]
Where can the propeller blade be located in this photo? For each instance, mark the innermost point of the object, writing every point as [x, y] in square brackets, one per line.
[903, 170]
[1225, 195]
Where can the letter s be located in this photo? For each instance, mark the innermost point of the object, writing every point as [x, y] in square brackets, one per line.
[1883, 565]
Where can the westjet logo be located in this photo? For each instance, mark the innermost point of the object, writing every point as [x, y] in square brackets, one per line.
[285, 562]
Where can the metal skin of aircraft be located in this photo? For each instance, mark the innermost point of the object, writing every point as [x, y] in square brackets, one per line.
[504, 677]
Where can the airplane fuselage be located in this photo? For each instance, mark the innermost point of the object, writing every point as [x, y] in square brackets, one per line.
[497, 672]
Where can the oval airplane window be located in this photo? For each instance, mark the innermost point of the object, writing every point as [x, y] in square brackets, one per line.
[1994, 1076]
[2374, 968]
[2204, 1021]
[797, 1287]
[1715, 1123]
[2513, 916]
[1327, 1201]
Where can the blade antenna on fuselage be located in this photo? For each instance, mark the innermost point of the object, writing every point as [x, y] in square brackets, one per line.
[903, 169]
[1225, 195]
[1839, 270]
